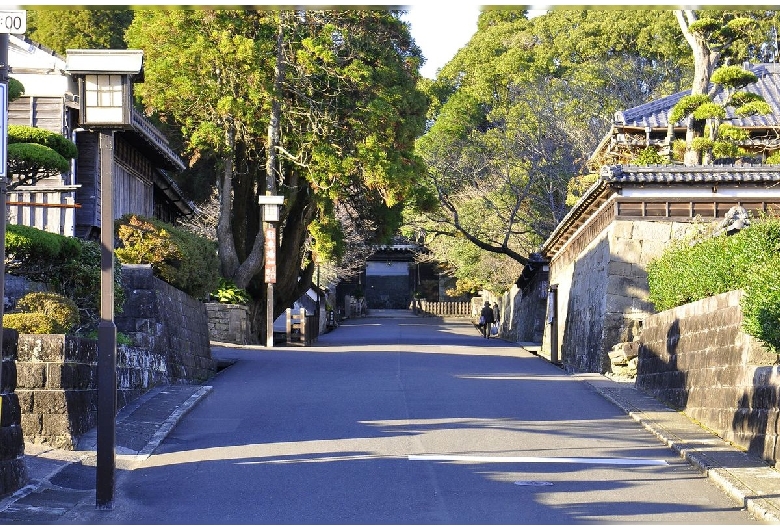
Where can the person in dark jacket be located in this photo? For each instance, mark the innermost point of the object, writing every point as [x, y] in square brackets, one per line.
[486, 319]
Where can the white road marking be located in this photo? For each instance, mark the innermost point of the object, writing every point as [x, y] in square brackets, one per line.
[543, 460]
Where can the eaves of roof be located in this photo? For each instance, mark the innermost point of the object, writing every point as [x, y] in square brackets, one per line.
[619, 176]
[155, 140]
[171, 190]
[679, 174]
[593, 193]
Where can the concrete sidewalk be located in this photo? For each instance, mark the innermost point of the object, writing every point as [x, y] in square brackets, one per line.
[62, 480]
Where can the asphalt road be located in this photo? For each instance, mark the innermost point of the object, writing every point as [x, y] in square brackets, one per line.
[408, 421]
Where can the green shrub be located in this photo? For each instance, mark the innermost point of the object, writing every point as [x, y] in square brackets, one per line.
[649, 156]
[38, 248]
[25, 134]
[30, 323]
[59, 308]
[228, 293]
[67, 265]
[187, 261]
[748, 260]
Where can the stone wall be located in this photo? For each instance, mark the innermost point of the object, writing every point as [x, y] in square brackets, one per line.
[696, 359]
[602, 293]
[168, 323]
[57, 374]
[522, 312]
[13, 472]
[229, 323]
[57, 388]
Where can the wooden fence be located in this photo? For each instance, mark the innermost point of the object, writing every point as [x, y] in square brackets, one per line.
[460, 309]
[50, 209]
[302, 328]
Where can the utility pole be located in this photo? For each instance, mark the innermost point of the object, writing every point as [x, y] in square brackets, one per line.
[10, 22]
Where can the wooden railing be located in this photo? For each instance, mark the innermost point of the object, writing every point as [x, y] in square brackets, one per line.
[461, 309]
[302, 328]
[51, 209]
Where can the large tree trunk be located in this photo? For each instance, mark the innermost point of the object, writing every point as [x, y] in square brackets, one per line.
[704, 62]
[227, 247]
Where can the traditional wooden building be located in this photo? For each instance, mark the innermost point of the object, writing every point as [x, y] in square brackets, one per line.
[68, 203]
[599, 252]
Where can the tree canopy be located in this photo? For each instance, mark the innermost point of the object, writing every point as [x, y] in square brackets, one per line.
[61, 28]
[342, 150]
[516, 114]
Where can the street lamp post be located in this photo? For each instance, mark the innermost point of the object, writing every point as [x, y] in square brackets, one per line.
[271, 205]
[105, 99]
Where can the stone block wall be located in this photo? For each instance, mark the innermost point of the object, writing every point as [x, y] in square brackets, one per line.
[696, 359]
[57, 374]
[168, 323]
[13, 472]
[602, 292]
[57, 388]
[229, 323]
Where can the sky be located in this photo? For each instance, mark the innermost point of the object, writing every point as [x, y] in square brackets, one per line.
[439, 32]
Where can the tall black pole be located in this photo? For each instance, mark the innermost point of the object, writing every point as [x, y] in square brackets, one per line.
[106, 427]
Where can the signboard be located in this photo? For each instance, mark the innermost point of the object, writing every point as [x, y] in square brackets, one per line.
[14, 21]
[270, 255]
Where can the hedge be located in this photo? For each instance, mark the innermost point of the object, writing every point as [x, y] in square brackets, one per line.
[748, 260]
[185, 260]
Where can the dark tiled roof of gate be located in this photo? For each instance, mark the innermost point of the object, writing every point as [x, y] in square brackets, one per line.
[677, 174]
[654, 113]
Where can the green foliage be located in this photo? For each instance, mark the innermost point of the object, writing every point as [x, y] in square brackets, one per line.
[686, 106]
[774, 158]
[37, 247]
[62, 310]
[748, 260]
[228, 293]
[741, 98]
[30, 323]
[35, 135]
[15, 89]
[754, 108]
[709, 110]
[649, 156]
[733, 76]
[67, 265]
[181, 258]
[517, 113]
[34, 153]
[678, 150]
[39, 157]
[61, 28]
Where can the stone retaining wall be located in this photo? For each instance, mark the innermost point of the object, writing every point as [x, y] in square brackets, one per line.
[696, 359]
[57, 374]
[229, 323]
[13, 473]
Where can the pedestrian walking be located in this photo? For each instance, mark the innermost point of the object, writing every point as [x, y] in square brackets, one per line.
[486, 319]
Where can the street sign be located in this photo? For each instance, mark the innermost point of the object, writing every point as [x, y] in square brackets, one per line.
[13, 21]
[270, 255]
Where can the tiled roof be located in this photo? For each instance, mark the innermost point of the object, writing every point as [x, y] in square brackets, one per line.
[678, 174]
[654, 113]
[619, 175]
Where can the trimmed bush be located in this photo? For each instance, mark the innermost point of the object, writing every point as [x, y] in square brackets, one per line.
[67, 265]
[62, 310]
[748, 260]
[30, 323]
[185, 260]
